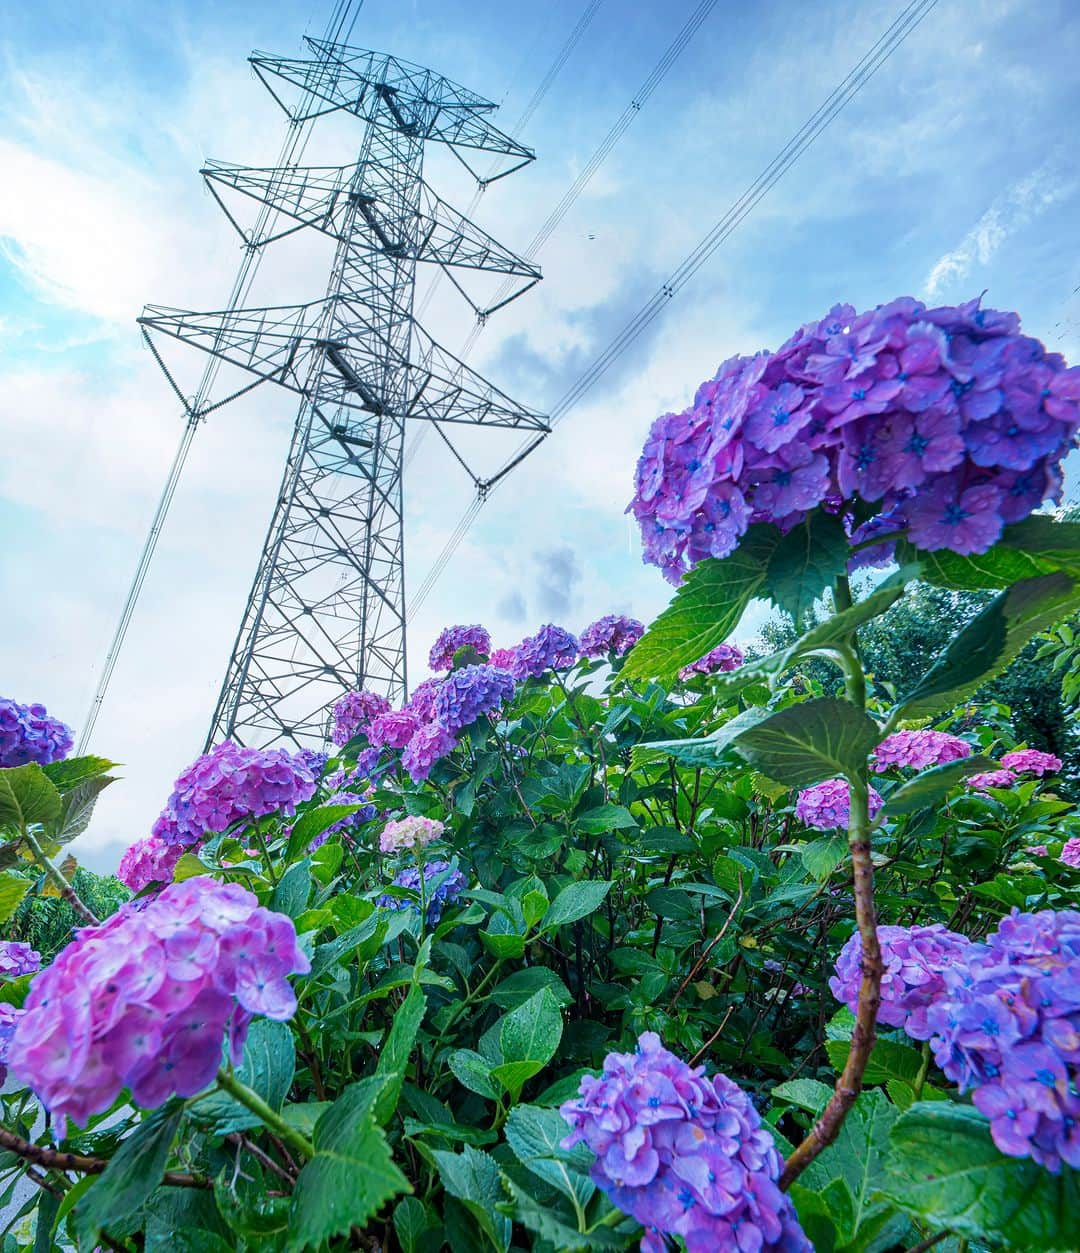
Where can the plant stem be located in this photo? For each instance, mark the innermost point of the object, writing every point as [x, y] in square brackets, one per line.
[53, 1159]
[53, 872]
[270, 1118]
[849, 1084]
[924, 1069]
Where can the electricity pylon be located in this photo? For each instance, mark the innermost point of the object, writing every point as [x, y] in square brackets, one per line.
[326, 612]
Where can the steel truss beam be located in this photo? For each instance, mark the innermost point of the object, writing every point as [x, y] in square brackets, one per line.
[326, 611]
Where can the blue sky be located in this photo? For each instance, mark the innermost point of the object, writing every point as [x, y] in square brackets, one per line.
[952, 172]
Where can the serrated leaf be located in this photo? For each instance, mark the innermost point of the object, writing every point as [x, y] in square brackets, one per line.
[944, 1168]
[554, 1228]
[314, 823]
[535, 1135]
[27, 797]
[518, 987]
[806, 743]
[575, 901]
[395, 1053]
[66, 774]
[821, 857]
[991, 640]
[474, 1072]
[706, 609]
[267, 1068]
[76, 809]
[805, 561]
[707, 751]
[472, 1176]
[531, 1033]
[411, 1221]
[808, 1094]
[13, 888]
[928, 787]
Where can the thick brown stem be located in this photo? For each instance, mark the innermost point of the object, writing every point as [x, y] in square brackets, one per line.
[53, 1159]
[65, 889]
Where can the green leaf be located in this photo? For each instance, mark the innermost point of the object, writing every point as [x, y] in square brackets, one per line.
[314, 823]
[805, 562]
[267, 1068]
[991, 640]
[575, 901]
[998, 568]
[473, 1177]
[394, 1057]
[474, 1072]
[352, 1174]
[708, 751]
[944, 1168]
[290, 896]
[514, 1075]
[808, 1094]
[605, 818]
[411, 1222]
[806, 743]
[77, 808]
[13, 888]
[132, 1174]
[554, 1227]
[821, 857]
[531, 1033]
[518, 987]
[706, 609]
[27, 796]
[535, 1136]
[887, 1060]
[66, 774]
[928, 787]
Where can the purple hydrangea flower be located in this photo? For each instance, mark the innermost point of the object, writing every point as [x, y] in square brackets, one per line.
[1070, 852]
[393, 729]
[422, 702]
[364, 814]
[551, 648]
[990, 778]
[18, 959]
[353, 713]
[614, 633]
[455, 637]
[313, 760]
[28, 734]
[1008, 1026]
[150, 860]
[9, 1020]
[144, 1000]
[682, 1154]
[948, 420]
[449, 885]
[228, 784]
[914, 959]
[916, 750]
[471, 692]
[504, 659]
[430, 744]
[1031, 761]
[827, 805]
[722, 658]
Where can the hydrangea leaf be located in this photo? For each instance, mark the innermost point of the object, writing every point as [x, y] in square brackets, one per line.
[945, 1169]
[395, 1053]
[66, 774]
[707, 607]
[12, 889]
[535, 1135]
[412, 1223]
[930, 786]
[290, 896]
[27, 796]
[806, 743]
[518, 987]
[575, 901]
[352, 1174]
[267, 1068]
[707, 751]
[76, 809]
[313, 824]
[997, 568]
[473, 1072]
[131, 1176]
[473, 1177]
[554, 1224]
[805, 562]
[991, 640]
[821, 857]
[531, 1033]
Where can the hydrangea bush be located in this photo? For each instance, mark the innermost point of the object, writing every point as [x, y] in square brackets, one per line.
[615, 939]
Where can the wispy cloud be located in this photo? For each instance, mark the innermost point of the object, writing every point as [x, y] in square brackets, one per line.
[1010, 212]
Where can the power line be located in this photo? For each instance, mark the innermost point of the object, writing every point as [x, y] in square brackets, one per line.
[296, 139]
[910, 17]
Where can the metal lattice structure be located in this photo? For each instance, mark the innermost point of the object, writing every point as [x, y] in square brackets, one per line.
[326, 612]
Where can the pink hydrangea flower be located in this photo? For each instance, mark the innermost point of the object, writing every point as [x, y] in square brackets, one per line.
[429, 745]
[1031, 761]
[916, 750]
[353, 713]
[1070, 853]
[454, 637]
[990, 778]
[18, 959]
[827, 806]
[151, 860]
[393, 729]
[411, 832]
[614, 633]
[143, 1000]
[504, 659]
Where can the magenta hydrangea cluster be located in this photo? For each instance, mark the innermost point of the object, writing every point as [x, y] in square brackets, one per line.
[452, 638]
[1008, 1026]
[9, 1019]
[827, 806]
[28, 734]
[313, 759]
[229, 784]
[18, 959]
[147, 861]
[1031, 761]
[353, 713]
[1070, 852]
[551, 648]
[393, 729]
[471, 692]
[144, 1000]
[682, 1154]
[916, 750]
[946, 424]
[613, 633]
[989, 778]
[443, 884]
[915, 959]
[430, 744]
[718, 660]
[422, 702]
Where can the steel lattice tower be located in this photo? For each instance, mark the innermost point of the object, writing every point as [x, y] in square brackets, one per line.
[326, 612]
